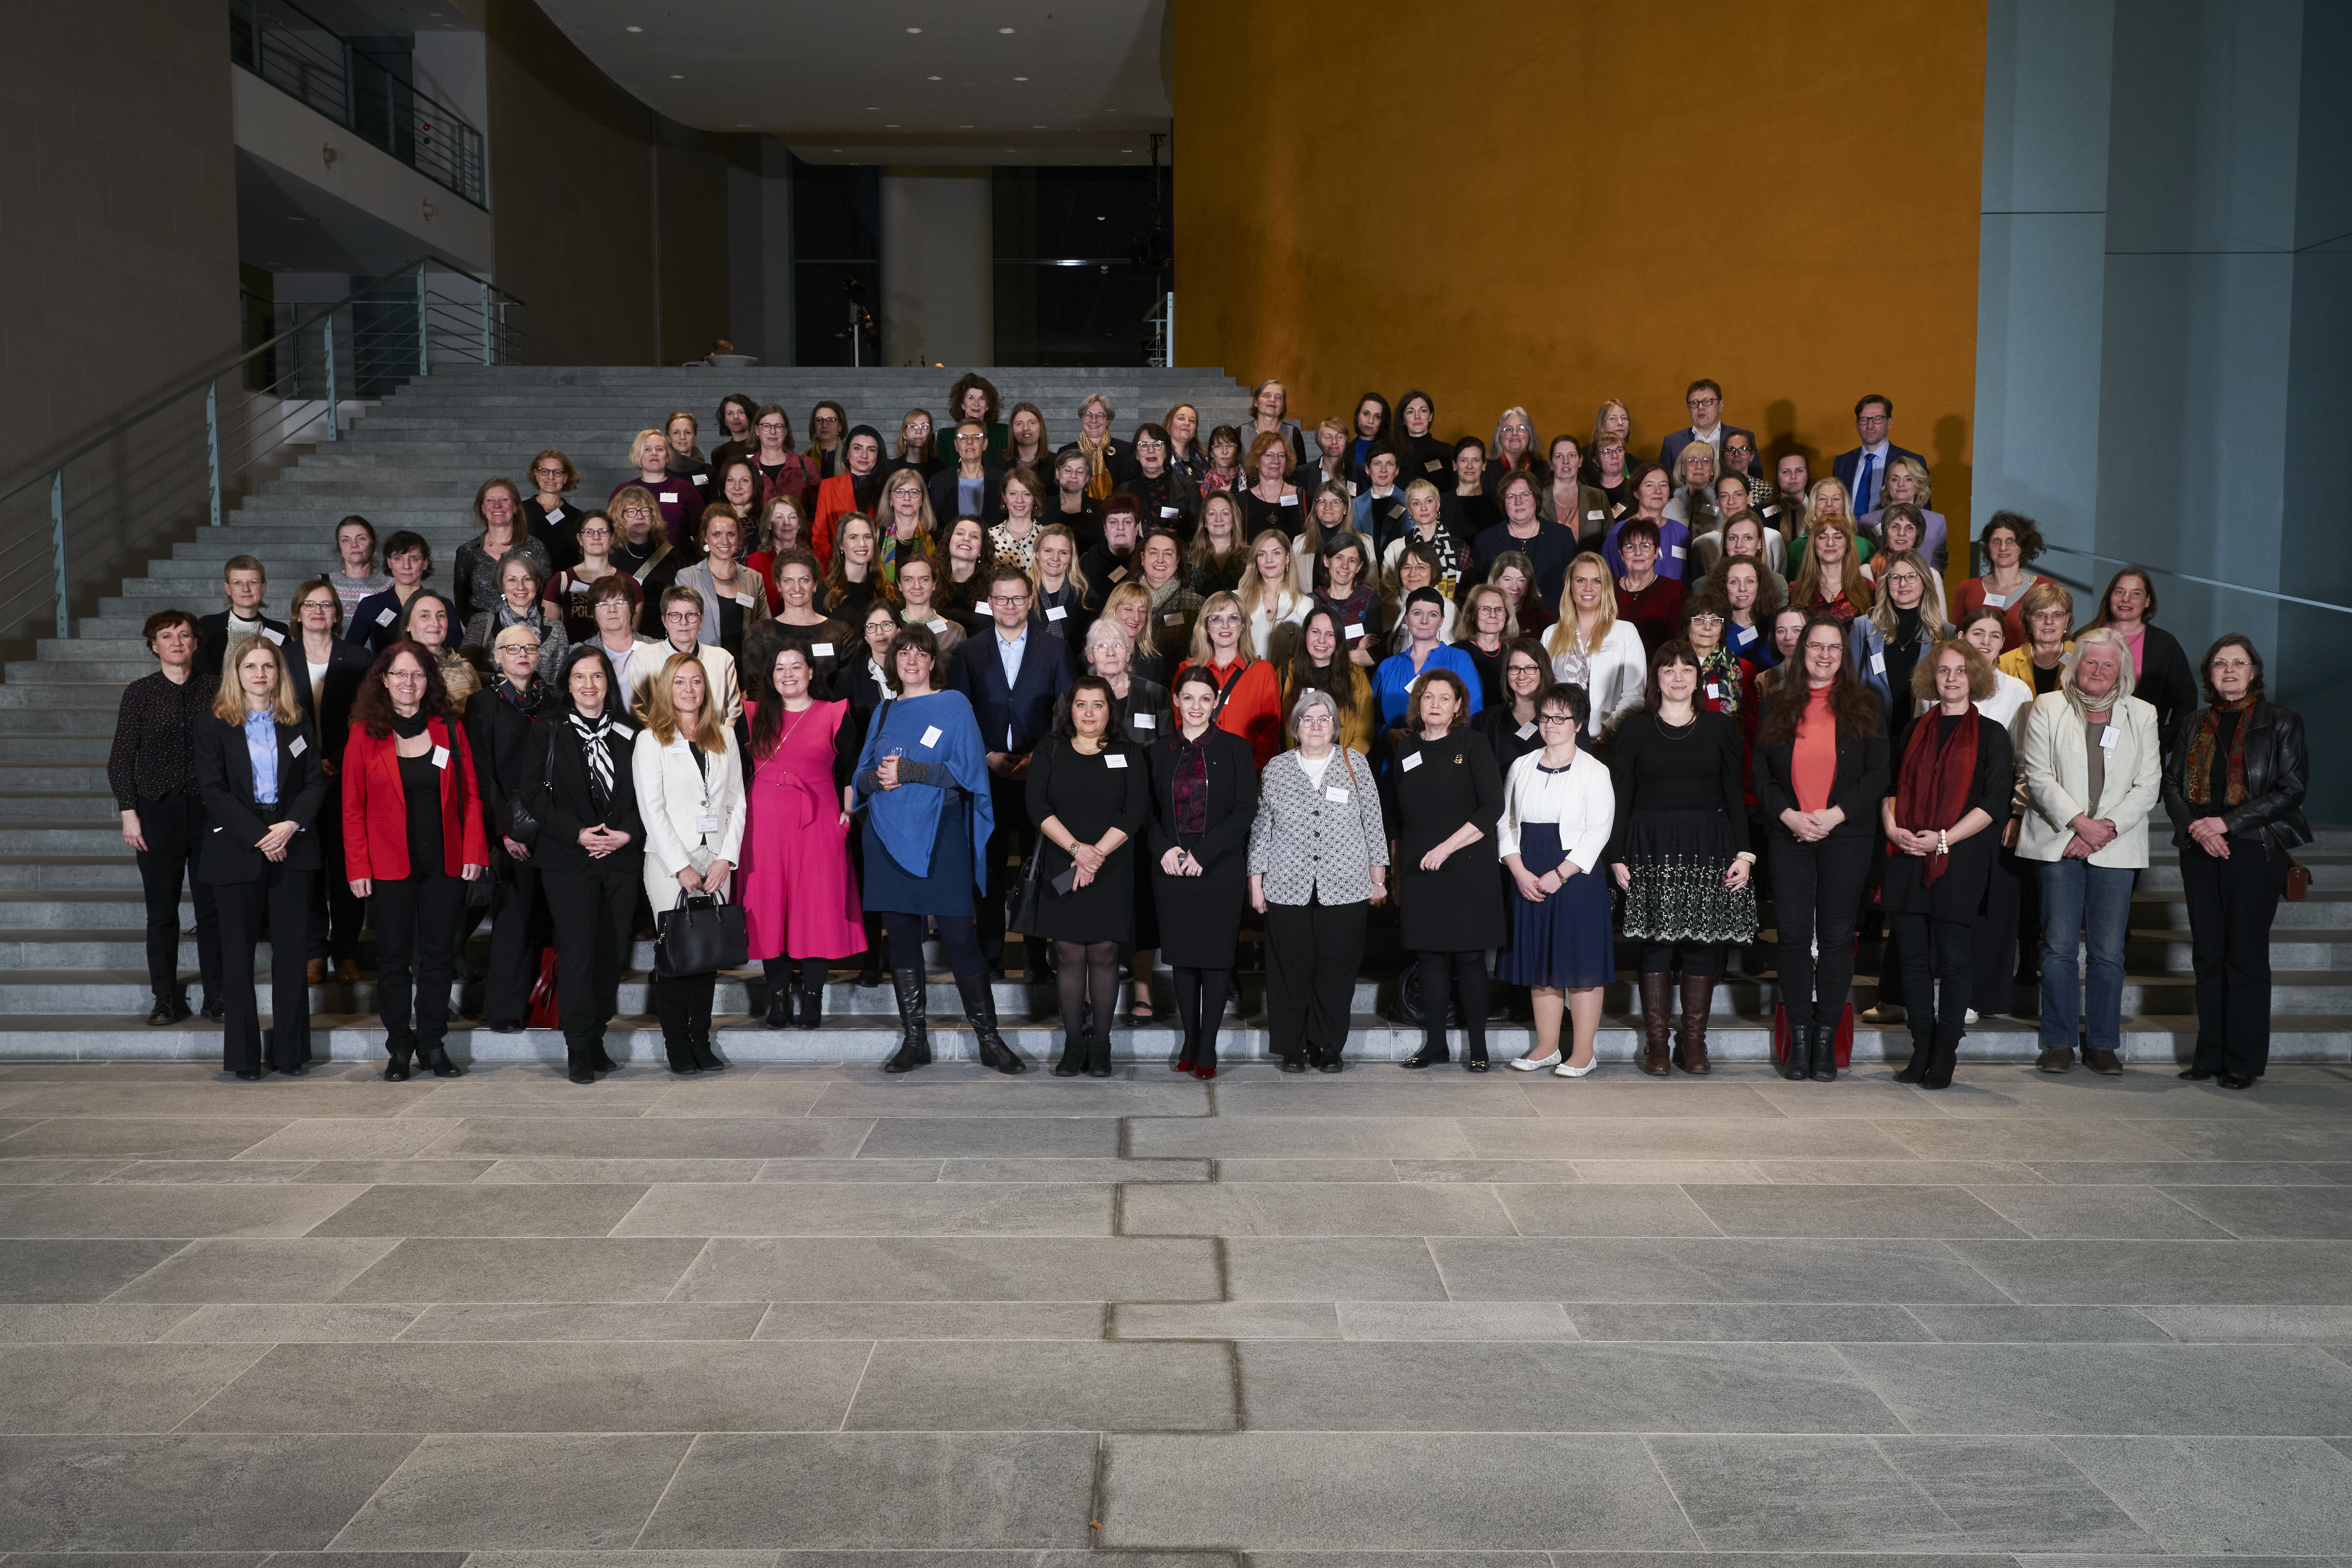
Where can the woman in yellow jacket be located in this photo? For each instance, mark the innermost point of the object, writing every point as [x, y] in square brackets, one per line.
[2047, 611]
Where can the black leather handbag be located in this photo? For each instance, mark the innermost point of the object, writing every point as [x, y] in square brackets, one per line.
[699, 933]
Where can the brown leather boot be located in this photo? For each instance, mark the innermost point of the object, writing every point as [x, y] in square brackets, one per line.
[1698, 997]
[1657, 1023]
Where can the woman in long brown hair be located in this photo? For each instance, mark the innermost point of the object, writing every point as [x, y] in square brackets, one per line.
[1821, 769]
[1830, 576]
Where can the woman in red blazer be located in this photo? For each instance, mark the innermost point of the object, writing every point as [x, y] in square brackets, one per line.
[406, 751]
[1249, 692]
[858, 488]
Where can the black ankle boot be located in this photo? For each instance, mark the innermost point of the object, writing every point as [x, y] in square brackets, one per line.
[980, 1009]
[780, 1007]
[915, 1038]
[698, 1041]
[1923, 1055]
[579, 1065]
[397, 1068]
[1824, 1053]
[812, 1006]
[596, 1057]
[1097, 1056]
[1945, 1056]
[1072, 1057]
[681, 1054]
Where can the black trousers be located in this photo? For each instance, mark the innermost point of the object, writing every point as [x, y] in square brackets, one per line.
[592, 911]
[1931, 947]
[1438, 971]
[1312, 952]
[416, 956]
[174, 831]
[518, 930]
[1009, 844]
[1816, 897]
[682, 1003]
[336, 914]
[1993, 992]
[2231, 903]
[277, 906]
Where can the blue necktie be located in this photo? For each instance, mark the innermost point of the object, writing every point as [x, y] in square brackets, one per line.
[1862, 486]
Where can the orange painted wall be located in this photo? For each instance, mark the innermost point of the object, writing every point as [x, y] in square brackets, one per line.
[1549, 204]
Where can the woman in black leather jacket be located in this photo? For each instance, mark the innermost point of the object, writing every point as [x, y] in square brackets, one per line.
[2233, 782]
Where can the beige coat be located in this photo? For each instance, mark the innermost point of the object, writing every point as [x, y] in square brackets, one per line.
[2057, 777]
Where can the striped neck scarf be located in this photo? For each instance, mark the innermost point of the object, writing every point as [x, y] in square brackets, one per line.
[596, 743]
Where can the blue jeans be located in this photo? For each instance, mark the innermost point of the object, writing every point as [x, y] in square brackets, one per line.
[2095, 902]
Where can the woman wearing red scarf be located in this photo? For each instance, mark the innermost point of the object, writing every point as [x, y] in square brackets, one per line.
[1952, 797]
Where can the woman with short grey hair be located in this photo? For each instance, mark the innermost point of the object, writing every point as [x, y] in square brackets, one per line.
[1318, 859]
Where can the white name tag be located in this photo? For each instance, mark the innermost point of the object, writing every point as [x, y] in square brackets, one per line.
[702, 479]
[440, 756]
[744, 598]
[1057, 612]
[2108, 737]
[937, 624]
[1290, 501]
[1592, 517]
[299, 747]
[1411, 763]
[385, 617]
[1116, 572]
[1114, 760]
[706, 825]
[1168, 512]
[1996, 601]
[1336, 795]
[1171, 620]
[1742, 635]
[668, 496]
[556, 515]
[1878, 663]
[1145, 722]
[1713, 692]
[1354, 632]
[624, 731]
[1526, 730]
[1433, 466]
[821, 649]
[1771, 512]
[931, 736]
[1676, 551]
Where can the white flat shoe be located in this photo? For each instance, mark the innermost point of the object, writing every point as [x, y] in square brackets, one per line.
[1564, 1070]
[1534, 1064]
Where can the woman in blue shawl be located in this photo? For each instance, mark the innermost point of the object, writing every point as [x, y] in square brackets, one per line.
[922, 782]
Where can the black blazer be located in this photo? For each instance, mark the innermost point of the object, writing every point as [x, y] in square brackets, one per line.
[944, 510]
[1232, 804]
[2165, 682]
[564, 809]
[330, 710]
[224, 778]
[1027, 707]
[212, 642]
[367, 627]
[2275, 771]
[1861, 783]
[500, 738]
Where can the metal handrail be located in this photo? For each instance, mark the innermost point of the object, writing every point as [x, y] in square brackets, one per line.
[2207, 582]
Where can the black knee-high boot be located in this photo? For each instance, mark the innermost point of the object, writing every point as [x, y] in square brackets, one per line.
[914, 1023]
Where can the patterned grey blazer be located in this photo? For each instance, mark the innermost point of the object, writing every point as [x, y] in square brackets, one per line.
[1307, 844]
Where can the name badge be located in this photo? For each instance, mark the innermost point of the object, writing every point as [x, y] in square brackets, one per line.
[931, 737]
[299, 747]
[668, 496]
[1526, 730]
[1713, 692]
[440, 756]
[1168, 512]
[1114, 760]
[1433, 466]
[1292, 499]
[1336, 795]
[1354, 632]
[1411, 763]
[2108, 738]
[1171, 620]
[821, 649]
[706, 825]
[1145, 722]
[556, 515]
[1742, 635]
[1996, 601]
[744, 598]
[1592, 517]
[702, 479]
[624, 731]
[385, 617]
[1057, 612]
[938, 624]
[1771, 512]
[274, 635]
[1676, 551]
[1878, 663]
[1116, 572]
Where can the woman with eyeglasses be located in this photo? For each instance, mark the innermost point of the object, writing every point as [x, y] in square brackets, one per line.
[521, 604]
[1559, 808]
[568, 592]
[912, 446]
[679, 502]
[2046, 611]
[1443, 793]
[327, 671]
[2010, 543]
[551, 520]
[1887, 644]
[1166, 492]
[1485, 623]
[1509, 723]
[781, 469]
[1249, 693]
[822, 457]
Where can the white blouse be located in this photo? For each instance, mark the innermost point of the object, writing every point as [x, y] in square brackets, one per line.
[1612, 675]
[1262, 623]
[1581, 802]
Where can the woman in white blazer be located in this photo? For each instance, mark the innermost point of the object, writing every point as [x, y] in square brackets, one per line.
[1590, 648]
[689, 789]
[2092, 776]
[682, 617]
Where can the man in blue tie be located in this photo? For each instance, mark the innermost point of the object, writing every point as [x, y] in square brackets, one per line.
[1862, 471]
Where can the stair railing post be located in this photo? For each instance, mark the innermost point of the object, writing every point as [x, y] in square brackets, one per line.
[333, 433]
[58, 548]
[486, 323]
[212, 459]
[423, 339]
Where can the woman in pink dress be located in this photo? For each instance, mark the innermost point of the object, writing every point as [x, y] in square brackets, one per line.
[800, 902]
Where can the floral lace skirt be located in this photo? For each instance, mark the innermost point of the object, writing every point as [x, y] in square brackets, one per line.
[1678, 860]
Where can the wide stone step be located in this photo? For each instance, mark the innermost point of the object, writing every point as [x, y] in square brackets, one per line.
[115, 873]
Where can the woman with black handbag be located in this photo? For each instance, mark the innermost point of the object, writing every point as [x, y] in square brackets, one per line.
[1088, 795]
[590, 850]
[689, 780]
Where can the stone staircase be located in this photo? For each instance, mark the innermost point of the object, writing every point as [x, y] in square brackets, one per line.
[72, 966]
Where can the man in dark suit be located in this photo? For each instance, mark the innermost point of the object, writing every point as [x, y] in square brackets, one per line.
[1862, 471]
[1705, 400]
[1012, 676]
[246, 583]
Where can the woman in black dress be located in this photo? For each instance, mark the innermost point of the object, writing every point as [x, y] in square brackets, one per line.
[1203, 799]
[1678, 851]
[1952, 797]
[1509, 723]
[1088, 796]
[1444, 796]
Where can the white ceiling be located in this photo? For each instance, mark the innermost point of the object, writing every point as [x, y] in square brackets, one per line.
[851, 83]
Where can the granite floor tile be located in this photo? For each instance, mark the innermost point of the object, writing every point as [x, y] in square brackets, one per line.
[1897, 1173]
[1022, 1169]
[71, 1323]
[2225, 1495]
[2255, 1325]
[1294, 1138]
[45, 1172]
[2175, 1173]
[1311, 1386]
[943, 1138]
[1602, 1209]
[481, 1210]
[1403, 1096]
[467, 1268]
[221, 1097]
[152, 1138]
[216, 1492]
[1305, 1208]
[53, 1271]
[111, 1213]
[638, 1173]
[2044, 1138]
[1772, 1323]
[967, 1090]
[952, 1269]
[247, 1324]
[644, 1387]
[997, 1321]
[211, 1173]
[841, 1209]
[577, 1557]
[1226, 1320]
[1666, 1172]
[1376, 1169]
[582, 1320]
[2273, 1214]
[948, 1386]
[968, 1490]
[1799, 1271]
[1345, 1269]
[1286, 1492]
[649, 1138]
[1682, 1138]
[468, 1492]
[2100, 1212]
[1861, 1212]
[2166, 1273]
[2277, 1139]
[400, 1172]
[2039, 1324]
[1481, 1322]
[759, 1097]
[1635, 1097]
[2015, 1494]
[153, 1560]
[868, 1170]
[1995, 1389]
[112, 1387]
[297, 1269]
[323, 1139]
[364, 1560]
[1800, 1494]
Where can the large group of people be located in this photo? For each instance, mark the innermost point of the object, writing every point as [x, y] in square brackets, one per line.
[1138, 695]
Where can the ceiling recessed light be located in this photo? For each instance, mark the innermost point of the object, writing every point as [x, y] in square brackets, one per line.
[873, 108]
[893, 125]
[1127, 149]
[675, 77]
[1020, 79]
[1036, 128]
[964, 126]
[913, 29]
[931, 78]
[1101, 218]
[635, 30]
[999, 30]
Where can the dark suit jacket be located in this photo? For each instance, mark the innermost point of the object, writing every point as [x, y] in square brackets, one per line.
[212, 642]
[1027, 709]
[224, 778]
[564, 807]
[367, 627]
[500, 737]
[1862, 779]
[1232, 797]
[944, 510]
[331, 712]
[1843, 465]
[1671, 447]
